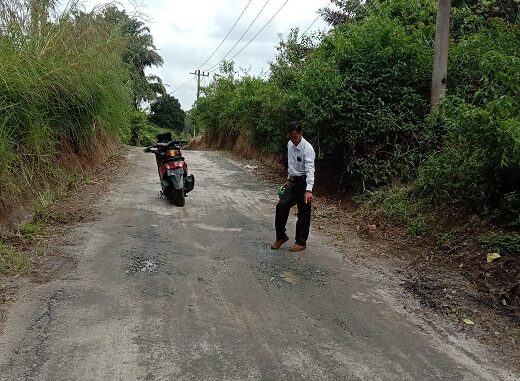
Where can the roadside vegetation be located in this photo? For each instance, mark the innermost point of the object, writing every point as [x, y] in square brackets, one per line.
[72, 86]
[12, 261]
[362, 91]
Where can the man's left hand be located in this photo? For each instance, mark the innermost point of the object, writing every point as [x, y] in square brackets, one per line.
[308, 197]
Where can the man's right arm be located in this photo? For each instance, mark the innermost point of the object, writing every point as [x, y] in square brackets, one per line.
[288, 175]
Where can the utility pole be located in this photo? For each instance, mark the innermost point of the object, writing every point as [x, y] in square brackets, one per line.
[440, 59]
[198, 74]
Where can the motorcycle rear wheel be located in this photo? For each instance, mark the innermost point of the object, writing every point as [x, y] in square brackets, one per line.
[179, 197]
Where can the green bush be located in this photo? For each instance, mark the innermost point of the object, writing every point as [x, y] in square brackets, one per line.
[144, 133]
[252, 107]
[479, 162]
[364, 94]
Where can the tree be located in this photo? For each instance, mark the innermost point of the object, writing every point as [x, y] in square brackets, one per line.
[166, 112]
[291, 58]
[508, 10]
[140, 54]
[348, 10]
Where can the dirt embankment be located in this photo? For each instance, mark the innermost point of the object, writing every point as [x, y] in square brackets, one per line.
[39, 183]
[445, 268]
[32, 235]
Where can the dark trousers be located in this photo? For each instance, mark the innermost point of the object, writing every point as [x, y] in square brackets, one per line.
[294, 195]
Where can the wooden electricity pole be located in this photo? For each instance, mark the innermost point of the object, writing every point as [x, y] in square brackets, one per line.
[440, 59]
[199, 74]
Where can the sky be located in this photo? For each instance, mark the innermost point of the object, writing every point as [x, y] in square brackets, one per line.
[187, 32]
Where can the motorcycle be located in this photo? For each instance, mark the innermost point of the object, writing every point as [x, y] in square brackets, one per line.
[176, 183]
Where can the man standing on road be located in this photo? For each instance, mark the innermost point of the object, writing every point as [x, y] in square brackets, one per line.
[298, 189]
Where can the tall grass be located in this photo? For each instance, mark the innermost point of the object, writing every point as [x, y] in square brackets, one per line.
[62, 83]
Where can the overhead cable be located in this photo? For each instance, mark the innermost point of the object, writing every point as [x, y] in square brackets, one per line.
[241, 37]
[260, 31]
[316, 19]
[227, 35]
[183, 85]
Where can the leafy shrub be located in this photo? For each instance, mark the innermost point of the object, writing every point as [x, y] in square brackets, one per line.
[249, 106]
[480, 158]
[507, 213]
[365, 92]
[479, 163]
[362, 95]
[416, 227]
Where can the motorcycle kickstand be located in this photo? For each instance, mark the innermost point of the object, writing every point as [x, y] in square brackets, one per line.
[161, 194]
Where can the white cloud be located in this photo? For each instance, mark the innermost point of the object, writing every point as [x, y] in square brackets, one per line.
[187, 32]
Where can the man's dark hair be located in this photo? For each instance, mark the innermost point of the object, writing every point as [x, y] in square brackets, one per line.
[294, 126]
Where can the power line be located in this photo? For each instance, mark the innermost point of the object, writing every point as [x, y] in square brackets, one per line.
[310, 26]
[227, 35]
[241, 37]
[316, 19]
[260, 31]
[183, 85]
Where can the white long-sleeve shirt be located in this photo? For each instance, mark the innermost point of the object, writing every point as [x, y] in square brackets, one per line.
[301, 161]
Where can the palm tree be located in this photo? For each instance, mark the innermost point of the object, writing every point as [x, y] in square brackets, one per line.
[30, 15]
[140, 54]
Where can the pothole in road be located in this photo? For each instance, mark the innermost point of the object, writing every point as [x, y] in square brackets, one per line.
[290, 277]
[291, 272]
[142, 265]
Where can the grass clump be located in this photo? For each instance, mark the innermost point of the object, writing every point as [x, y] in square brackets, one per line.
[29, 229]
[395, 205]
[13, 261]
[507, 244]
[41, 206]
[446, 239]
[62, 217]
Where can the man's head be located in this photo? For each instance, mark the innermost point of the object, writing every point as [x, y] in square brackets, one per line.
[294, 132]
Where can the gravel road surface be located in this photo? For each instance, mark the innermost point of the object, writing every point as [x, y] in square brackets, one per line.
[160, 292]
